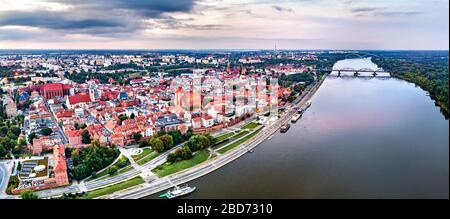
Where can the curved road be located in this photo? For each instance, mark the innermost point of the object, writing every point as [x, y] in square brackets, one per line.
[4, 176]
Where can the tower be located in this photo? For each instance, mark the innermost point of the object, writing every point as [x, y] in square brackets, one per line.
[92, 90]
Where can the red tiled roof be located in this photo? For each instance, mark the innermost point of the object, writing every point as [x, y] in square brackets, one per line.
[59, 158]
[53, 86]
[65, 113]
[74, 133]
[207, 117]
[79, 98]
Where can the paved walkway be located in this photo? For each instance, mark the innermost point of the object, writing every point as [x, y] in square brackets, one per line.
[3, 178]
[125, 153]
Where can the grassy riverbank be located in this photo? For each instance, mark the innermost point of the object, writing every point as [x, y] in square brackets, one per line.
[170, 168]
[238, 142]
[114, 188]
[148, 158]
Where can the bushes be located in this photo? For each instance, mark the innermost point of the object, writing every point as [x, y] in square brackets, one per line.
[28, 194]
[121, 163]
[160, 144]
[12, 184]
[93, 159]
[180, 154]
[112, 170]
[157, 144]
[46, 131]
[200, 142]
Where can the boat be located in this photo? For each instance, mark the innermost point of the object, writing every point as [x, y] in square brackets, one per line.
[308, 104]
[284, 128]
[178, 191]
[296, 117]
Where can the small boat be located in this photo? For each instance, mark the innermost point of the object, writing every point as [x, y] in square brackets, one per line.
[296, 117]
[177, 191]
[284, 128]
[308, 103]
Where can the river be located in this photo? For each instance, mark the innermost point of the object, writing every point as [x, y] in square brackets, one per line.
[361, 138]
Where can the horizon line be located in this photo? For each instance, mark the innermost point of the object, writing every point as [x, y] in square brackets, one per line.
[233, 49]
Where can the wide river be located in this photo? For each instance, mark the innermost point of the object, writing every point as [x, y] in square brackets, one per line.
[361, 138]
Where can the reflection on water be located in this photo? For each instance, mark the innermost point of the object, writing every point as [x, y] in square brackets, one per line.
[361, 138]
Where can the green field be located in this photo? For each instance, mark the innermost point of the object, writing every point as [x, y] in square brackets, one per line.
[146, 151]
[167, 168]
[251, 126]
[232, 138]
[238, 142]
[224, 136]
[148, 158]
[104, 172]
[114, 188]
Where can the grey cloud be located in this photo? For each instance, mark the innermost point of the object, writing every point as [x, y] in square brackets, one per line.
[168, 22]
[44, 19]
[97, 17]
[381, 11]
[397, 13]
[366, 9]
[282, 9]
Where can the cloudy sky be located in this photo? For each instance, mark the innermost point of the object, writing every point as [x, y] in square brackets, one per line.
[218, 24]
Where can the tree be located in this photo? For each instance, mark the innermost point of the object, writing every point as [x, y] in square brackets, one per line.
[46, 131]
[112, 170]
[180, 154]
[3, 130]
[93, 159]
[157, 144]
[85, 137]
[31, 136]
[212, 139]
[167, 141]
[198, 142]
[137, 136]
[177, 136]
[28, 194]
[123, 117]
[3, 151]
[15, 130]
[143, 144]
[22, 142]
[75, 153]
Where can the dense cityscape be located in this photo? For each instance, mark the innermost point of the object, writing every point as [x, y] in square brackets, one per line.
[75, 122]
[234, 102]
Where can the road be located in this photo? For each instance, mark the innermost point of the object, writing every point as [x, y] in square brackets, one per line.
[202, 169]
[61, 132]
[5, 171]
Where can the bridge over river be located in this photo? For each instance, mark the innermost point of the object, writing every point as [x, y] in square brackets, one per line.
[357, 72]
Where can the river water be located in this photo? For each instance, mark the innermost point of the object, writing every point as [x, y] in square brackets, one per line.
[361, 138]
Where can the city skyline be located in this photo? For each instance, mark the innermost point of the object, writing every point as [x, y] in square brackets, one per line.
[226, 24]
